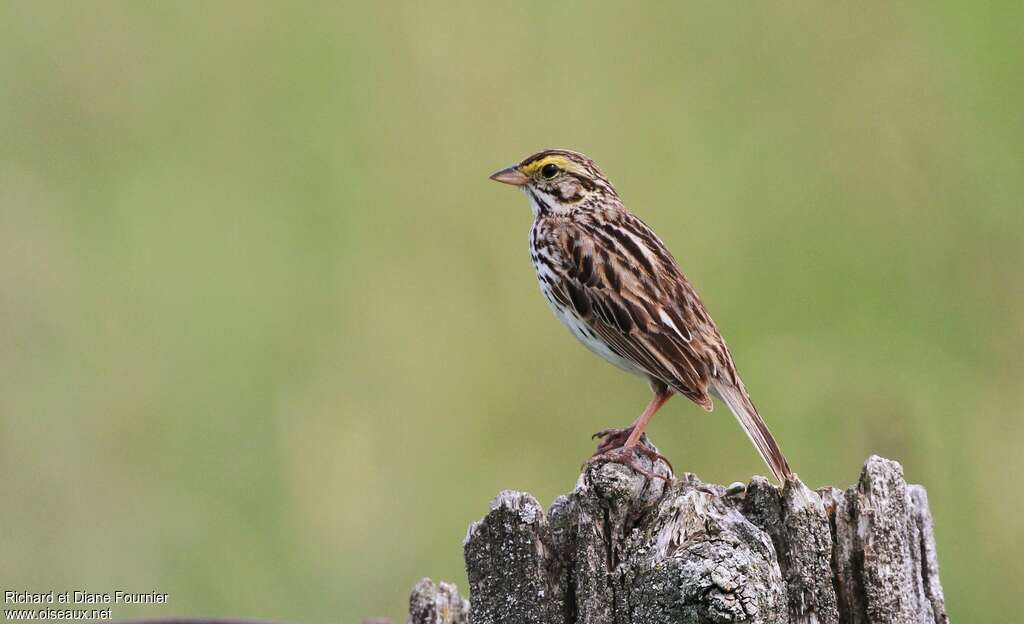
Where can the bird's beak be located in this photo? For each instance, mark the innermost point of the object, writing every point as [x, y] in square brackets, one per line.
[512, 176]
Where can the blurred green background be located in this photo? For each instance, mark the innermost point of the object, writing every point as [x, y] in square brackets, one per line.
[270, 339]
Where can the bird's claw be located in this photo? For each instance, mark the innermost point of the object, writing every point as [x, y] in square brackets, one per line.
[653, 455]
[616, 438]
[611, 439]
[628, 457]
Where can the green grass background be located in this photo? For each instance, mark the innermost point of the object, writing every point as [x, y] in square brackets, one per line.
[270, 339]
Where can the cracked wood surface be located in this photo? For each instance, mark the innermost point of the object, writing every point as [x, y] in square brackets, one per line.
[625, 549]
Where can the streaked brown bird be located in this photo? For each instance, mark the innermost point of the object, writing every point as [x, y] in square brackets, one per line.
[613, 283]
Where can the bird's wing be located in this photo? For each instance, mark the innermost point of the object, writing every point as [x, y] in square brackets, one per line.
[629, 290]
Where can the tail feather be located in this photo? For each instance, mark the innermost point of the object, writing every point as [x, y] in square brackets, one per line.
[740, 405]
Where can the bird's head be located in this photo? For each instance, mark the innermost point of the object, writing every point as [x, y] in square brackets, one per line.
[559, 181]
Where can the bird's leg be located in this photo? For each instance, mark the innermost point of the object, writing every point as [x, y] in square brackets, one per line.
[630, 436]
[628, 440]
[637, 428]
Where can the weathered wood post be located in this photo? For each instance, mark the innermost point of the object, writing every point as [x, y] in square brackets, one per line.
[625, 549]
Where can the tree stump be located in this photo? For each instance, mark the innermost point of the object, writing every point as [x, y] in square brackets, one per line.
[623, 548]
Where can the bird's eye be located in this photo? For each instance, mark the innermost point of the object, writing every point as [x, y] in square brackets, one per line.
[549, 171]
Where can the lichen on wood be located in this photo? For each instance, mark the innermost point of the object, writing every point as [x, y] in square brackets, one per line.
[624, 548]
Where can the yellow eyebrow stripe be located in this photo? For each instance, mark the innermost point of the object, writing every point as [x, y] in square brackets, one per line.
[561, 161]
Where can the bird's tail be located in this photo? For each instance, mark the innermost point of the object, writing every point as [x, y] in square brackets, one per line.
[740, 405]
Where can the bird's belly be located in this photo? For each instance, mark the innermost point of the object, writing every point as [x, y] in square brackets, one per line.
[584, 334]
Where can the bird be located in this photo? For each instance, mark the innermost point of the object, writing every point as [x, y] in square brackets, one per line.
[611, 281]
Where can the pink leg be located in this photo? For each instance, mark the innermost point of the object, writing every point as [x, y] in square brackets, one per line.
[645, 418]
[614, 449]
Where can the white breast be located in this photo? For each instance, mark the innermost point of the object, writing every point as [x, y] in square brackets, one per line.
[569, 318]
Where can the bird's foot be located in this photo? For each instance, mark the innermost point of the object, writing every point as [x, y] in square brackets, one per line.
[627, 456]
[612, 439]
[643, 449]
